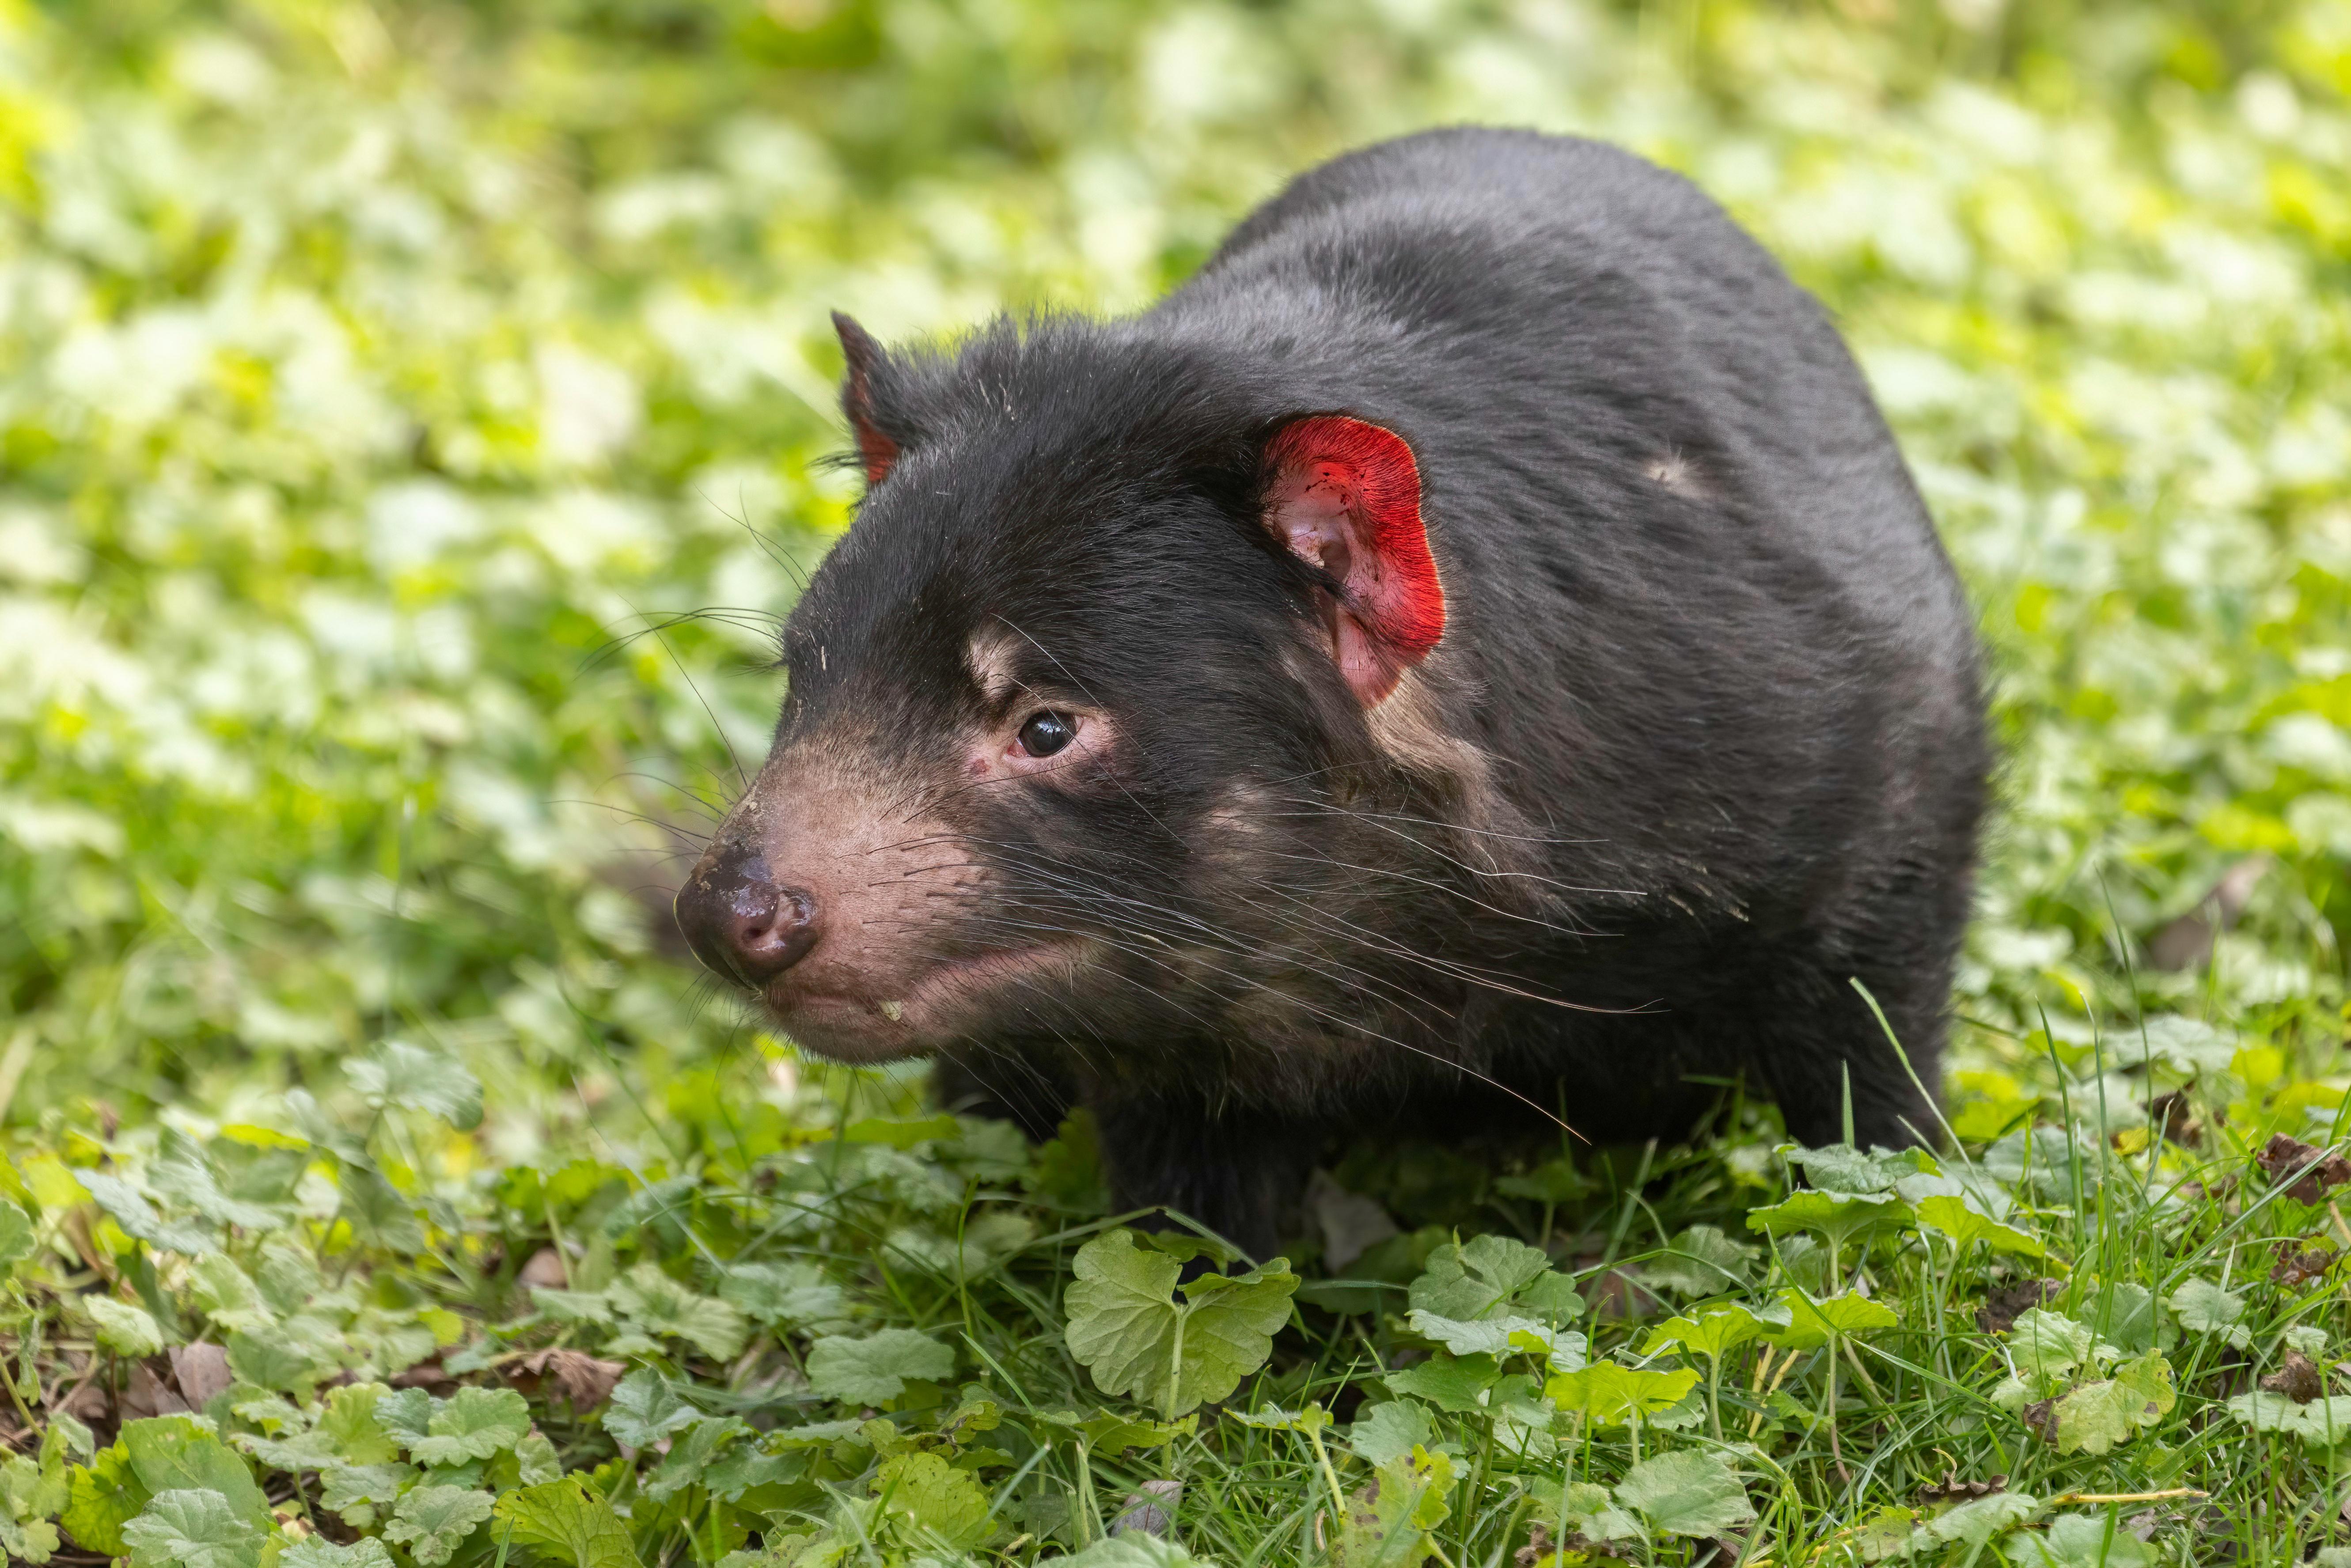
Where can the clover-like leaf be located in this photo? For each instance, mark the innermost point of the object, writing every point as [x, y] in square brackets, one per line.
[122, 1328]
[270, 1357]
[877, 1367]
[645, 1408]
[409, 1075]
[1686, 1493]
[1307, 1418]
[433, 1521]
[192, 1528]
[566, 1520]
[931, 1503]
[1127, 1327]
[1976, 1522]
[472, 1424]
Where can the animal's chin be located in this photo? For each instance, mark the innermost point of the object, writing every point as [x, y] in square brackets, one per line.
[853, 1021]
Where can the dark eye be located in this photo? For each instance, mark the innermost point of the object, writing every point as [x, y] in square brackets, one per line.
[1046, 734]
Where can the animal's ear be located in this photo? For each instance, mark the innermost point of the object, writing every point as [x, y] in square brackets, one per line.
[1343, 496]
[877, 449]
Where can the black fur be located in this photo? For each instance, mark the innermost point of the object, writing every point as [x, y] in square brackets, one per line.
[1718, 681]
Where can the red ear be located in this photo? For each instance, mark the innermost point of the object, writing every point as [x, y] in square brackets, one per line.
[875, 447]
[1344, 496]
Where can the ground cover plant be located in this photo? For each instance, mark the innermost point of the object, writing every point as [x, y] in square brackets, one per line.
[409, 418]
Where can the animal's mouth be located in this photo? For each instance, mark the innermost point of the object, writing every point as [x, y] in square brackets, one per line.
[880, 1023]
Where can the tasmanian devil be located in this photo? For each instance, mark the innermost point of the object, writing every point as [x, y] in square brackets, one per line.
[1473, 651]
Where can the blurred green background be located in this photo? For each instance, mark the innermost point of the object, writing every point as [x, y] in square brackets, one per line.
[383, 385]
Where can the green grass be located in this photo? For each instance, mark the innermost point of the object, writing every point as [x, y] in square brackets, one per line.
[372, 377]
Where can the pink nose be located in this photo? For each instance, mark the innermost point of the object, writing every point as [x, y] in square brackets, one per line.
[739, 923]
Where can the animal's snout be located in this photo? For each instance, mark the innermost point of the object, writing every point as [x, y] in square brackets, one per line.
[740, 921]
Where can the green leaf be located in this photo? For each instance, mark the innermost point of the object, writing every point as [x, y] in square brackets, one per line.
[405, 1416]
[931, 1503]
[535, 1461]
[1700, 1261]
[1838, 1215]
[379, 1211]
[429, 1081]
[269, 1357]
[563, 1518]
[1974, 1522]
[1133, 1549]
[690, 1456]
[2049, 1345]
[589, 1308]
[433, 1521]
[472, 1424]
[318, 1551]
[878, 1367]
[1110, 1433]
[2203, 1307]
[1128, 1328]
[1955, 1219]
[1499, 1337]
[101, 1498]
[1713, 1334]
[790, 1295]
[1476, 1281]
[2096, 1416]
[344, 1487]
[1389, 1519]
[1814, 1320]
[2322, 1422]
[1615, 1396]
[1449, 1382]
[1386, 1433]
[137, 1216]
[658, 1304]
[227, 1293]
[2081, 1540]
[194, 1527]
[1686, 1493]
[645, 1409]
[122, 1328]
[1307, 1418]
[1841, 1168]
[176, 1453]
[32, 1540]
[347, 1421]
[15, 1236]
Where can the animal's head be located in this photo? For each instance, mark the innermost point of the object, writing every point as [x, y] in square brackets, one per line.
[1088, 712]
